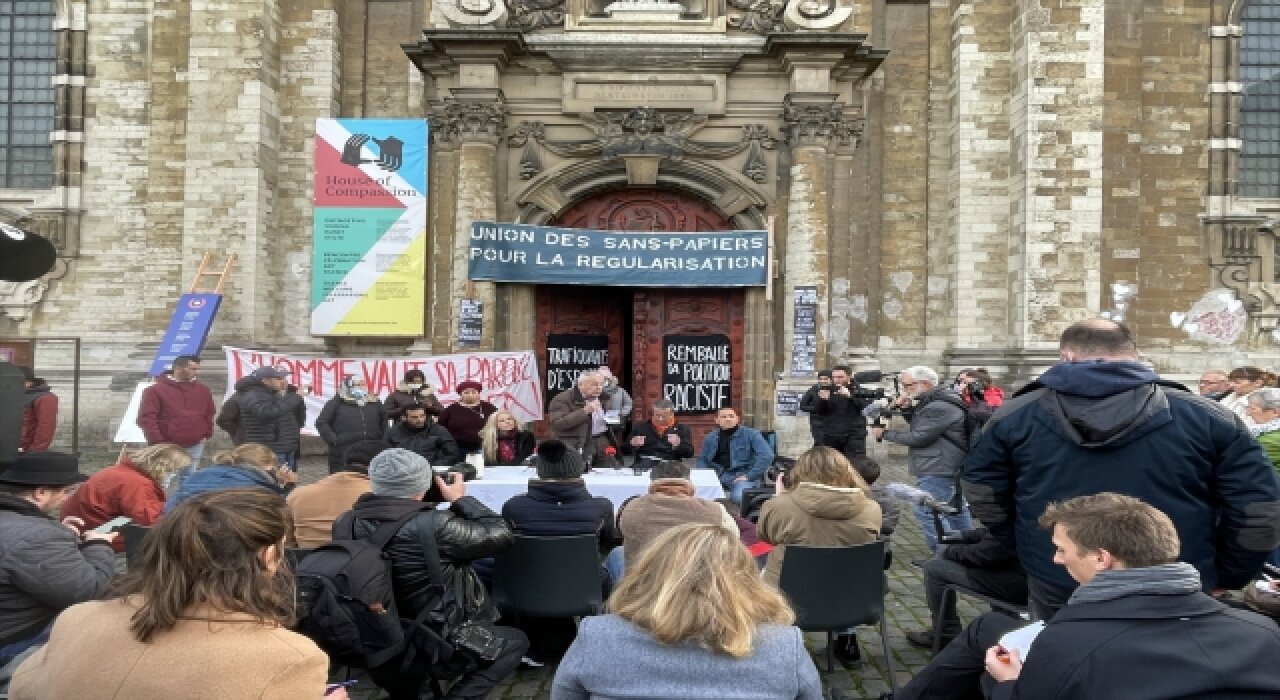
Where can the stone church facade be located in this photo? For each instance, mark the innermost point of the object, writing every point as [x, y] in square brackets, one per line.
[957, 179]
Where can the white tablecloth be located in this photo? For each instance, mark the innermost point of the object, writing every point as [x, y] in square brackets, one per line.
[501, 483]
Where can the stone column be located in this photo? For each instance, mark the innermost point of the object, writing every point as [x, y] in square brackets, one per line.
[475, 119]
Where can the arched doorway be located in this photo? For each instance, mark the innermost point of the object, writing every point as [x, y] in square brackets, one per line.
[639, 325]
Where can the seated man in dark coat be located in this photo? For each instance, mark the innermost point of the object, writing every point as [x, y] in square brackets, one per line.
[661, 437]
[1137, 627]
[416, 432]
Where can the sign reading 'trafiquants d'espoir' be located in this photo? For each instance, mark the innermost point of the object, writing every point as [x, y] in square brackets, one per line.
[548, 255]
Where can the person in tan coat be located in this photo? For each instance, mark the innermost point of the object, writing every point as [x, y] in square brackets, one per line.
[822, 503]
[315, 506]
[204, 615]
[670, 502]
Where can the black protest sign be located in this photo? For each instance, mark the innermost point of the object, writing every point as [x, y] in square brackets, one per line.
[695, 372]
[569, 355]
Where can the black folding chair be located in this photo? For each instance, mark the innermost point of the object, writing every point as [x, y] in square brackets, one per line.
[949, 593]
[835, 588]
[549, 577]
[134, 536]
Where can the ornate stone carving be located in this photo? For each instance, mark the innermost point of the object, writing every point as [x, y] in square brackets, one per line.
[643, 131]
[811, 121]
[470, 120]
[759, 16]
[848, 133]
[535, 14]
[473, 13]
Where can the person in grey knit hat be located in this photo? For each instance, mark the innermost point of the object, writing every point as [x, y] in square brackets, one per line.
[399, 472]
[556, 461]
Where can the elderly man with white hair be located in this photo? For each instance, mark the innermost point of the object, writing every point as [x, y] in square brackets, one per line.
[577, 420]
[937, 444]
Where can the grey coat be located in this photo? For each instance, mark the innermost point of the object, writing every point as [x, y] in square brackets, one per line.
[44, 569]
[612, 658]
[936, 436]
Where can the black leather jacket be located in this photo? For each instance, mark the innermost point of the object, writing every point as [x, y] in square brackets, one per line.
[464, 533]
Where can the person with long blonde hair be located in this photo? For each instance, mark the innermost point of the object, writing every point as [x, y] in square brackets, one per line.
[692, 619]
[504, 440]
[133, 487]
[205, 612]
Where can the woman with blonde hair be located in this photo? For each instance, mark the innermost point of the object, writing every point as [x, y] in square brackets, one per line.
[133, 487]
[504, 440]
[691, 620]
[249, 465]
[203, 613]
[822, 502]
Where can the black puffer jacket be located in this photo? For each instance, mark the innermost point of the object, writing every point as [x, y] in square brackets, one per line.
[269, 418]
[560, 509]
[343, 422]
[464, 533]
[431, 441]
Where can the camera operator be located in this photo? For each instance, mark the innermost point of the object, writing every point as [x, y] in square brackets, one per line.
[937, 444]
[840, 406]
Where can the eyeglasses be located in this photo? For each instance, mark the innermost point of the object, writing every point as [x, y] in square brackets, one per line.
[908, 385]
[1212, 381]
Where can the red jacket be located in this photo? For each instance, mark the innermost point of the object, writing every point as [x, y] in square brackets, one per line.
[39, 419]
[177, 412]
[120, 489]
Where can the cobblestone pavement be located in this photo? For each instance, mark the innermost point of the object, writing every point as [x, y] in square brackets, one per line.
[905, 610]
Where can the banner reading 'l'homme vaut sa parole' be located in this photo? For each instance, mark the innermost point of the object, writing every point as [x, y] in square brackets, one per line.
[369, 239]
[549, 255]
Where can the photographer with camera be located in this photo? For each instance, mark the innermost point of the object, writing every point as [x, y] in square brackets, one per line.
[840, 406]
[400, 481]
[937, 443]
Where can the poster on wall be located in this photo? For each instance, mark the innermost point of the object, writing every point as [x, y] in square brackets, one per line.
[696, 372]
[368, 257]
[571, 354]
[804, 335]
[470, 321]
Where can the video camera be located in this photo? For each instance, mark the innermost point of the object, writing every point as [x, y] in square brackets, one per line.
[873, 376]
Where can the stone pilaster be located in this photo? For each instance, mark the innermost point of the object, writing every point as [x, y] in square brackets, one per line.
[475, 120]
[1056, 186]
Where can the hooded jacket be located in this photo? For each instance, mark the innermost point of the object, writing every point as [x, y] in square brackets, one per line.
[177, 412]
[39, 418]
[120, 489]
[670, 502]
[44, 569]
[1089, 427]
[817, 515]
[220, 477]
[464, 533]
[267, 417]
[344, 421]
[558, 509]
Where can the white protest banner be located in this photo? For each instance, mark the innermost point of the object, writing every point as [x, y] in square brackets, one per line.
[510, 379]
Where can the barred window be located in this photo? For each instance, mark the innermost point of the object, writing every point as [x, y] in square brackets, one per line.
[27, 53]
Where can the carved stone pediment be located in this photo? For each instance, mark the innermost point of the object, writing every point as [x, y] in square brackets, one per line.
[643, 131]
[769, 16]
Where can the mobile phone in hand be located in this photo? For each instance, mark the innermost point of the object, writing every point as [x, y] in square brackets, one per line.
[112, 525]
[334, 686]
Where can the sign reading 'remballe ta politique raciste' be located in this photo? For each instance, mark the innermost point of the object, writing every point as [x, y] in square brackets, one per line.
[547, 255]
[696, 372]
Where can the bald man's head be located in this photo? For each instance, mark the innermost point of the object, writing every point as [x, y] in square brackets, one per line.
[1097, 339]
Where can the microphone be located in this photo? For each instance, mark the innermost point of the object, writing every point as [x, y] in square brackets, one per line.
[874, 411]
[915, 496]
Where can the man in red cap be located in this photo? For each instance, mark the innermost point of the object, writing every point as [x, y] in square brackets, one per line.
[45, 566]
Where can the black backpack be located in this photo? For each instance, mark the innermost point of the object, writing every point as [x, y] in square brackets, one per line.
[346, 603]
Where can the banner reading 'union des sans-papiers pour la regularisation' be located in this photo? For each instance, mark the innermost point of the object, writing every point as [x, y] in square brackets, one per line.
[370, 220]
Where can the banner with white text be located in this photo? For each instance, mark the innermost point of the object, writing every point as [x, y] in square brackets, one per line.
[368, 255]
[550, 255]
[510, 379]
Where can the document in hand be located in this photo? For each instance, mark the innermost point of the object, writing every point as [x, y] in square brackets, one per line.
[1021, 639]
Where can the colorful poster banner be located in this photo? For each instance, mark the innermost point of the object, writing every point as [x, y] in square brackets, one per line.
[510, 379]
[368, 261]
[549, 255]
[188, 329]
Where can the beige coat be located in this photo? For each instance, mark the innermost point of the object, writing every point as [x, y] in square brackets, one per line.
[316, 506]
[816, 515]
[91, 655]
[670, 502]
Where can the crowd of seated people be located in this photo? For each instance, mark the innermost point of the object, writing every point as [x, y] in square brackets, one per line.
[689, 613]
